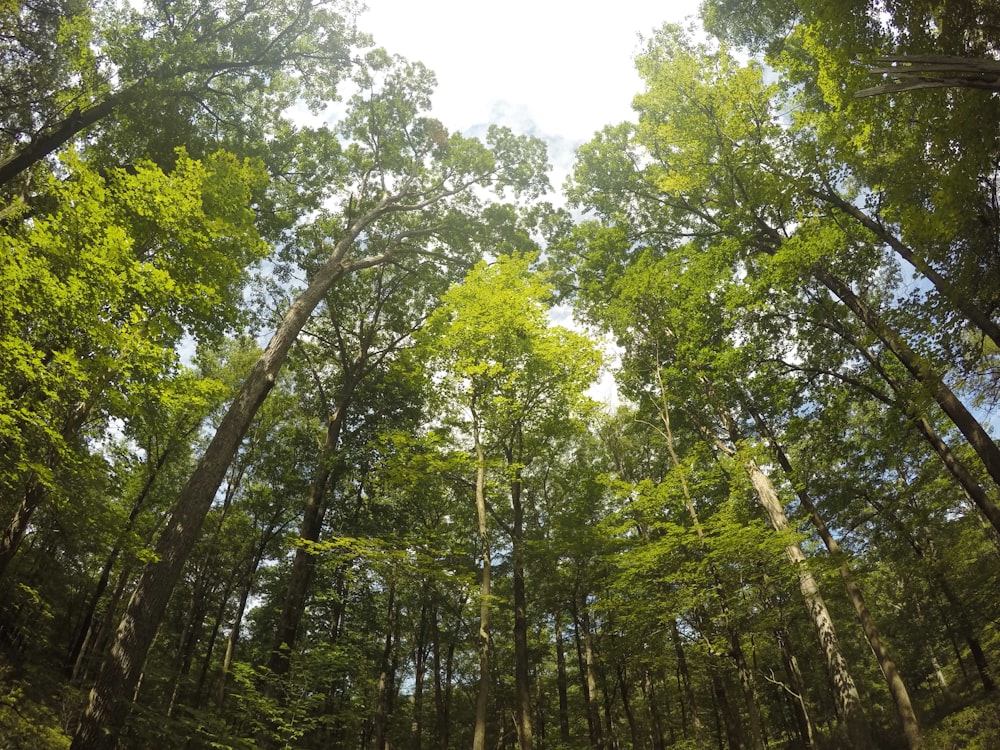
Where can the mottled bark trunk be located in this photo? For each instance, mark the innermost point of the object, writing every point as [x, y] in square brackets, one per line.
[483, 646]
[846, 693]
[119, 674]
[897, 688]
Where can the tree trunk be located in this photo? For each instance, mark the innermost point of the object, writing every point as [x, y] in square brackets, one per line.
[924, 374]
[897, 688]
[958, 300]
[689, 706]
[807, 730]
[86, 625]
[522, 686]
[845, 691]
[386, 677]
[590, 679]
[913, 411]
[119, 673]
[304, 562]
[562, 682]
[482, 699]
[420, 672]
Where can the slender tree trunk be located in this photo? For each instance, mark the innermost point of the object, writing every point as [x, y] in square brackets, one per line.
[924, 373]
[522, 686]
[419, 672]
[807, 730]
[562, 682]
[386, 678]
[109, 701]
[482, 699]
[848, 701]
[909, 406]
[623, 689]
[590, 678]
[730, 720]
[897, 688]
[87, 623]
[957, 299]
[304, 562]
[689, 705]
[652, 702]
[232, 641]
[35, 491]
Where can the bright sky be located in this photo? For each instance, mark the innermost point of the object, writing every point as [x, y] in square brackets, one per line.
[557, 69]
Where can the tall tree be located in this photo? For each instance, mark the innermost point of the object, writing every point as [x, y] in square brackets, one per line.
[409, 187]
[518, 378]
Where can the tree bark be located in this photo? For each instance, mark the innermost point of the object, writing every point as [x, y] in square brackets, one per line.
[807, 730]
[522, 686]
[119, 673]
[959, 301]
[562, 682]
[897, 688]
[923, 373]
[846, 693]
[482, 698]
[304, 562]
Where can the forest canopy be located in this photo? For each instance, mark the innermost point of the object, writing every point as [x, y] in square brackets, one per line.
[293, 453]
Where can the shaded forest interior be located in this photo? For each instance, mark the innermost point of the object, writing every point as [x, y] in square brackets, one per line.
[292, 454]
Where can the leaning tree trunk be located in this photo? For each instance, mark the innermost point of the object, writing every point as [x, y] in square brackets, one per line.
[959, 301]
[119, 674]
[845, 691]
[923, 372]
[897, 688]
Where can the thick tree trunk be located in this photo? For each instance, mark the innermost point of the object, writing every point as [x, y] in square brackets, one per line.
[846, 693]
[119, 674]
[923, 373]
[483, 646]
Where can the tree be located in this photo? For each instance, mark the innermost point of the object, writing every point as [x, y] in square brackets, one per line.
[518, 378]
[97, 296]
[410, 187]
